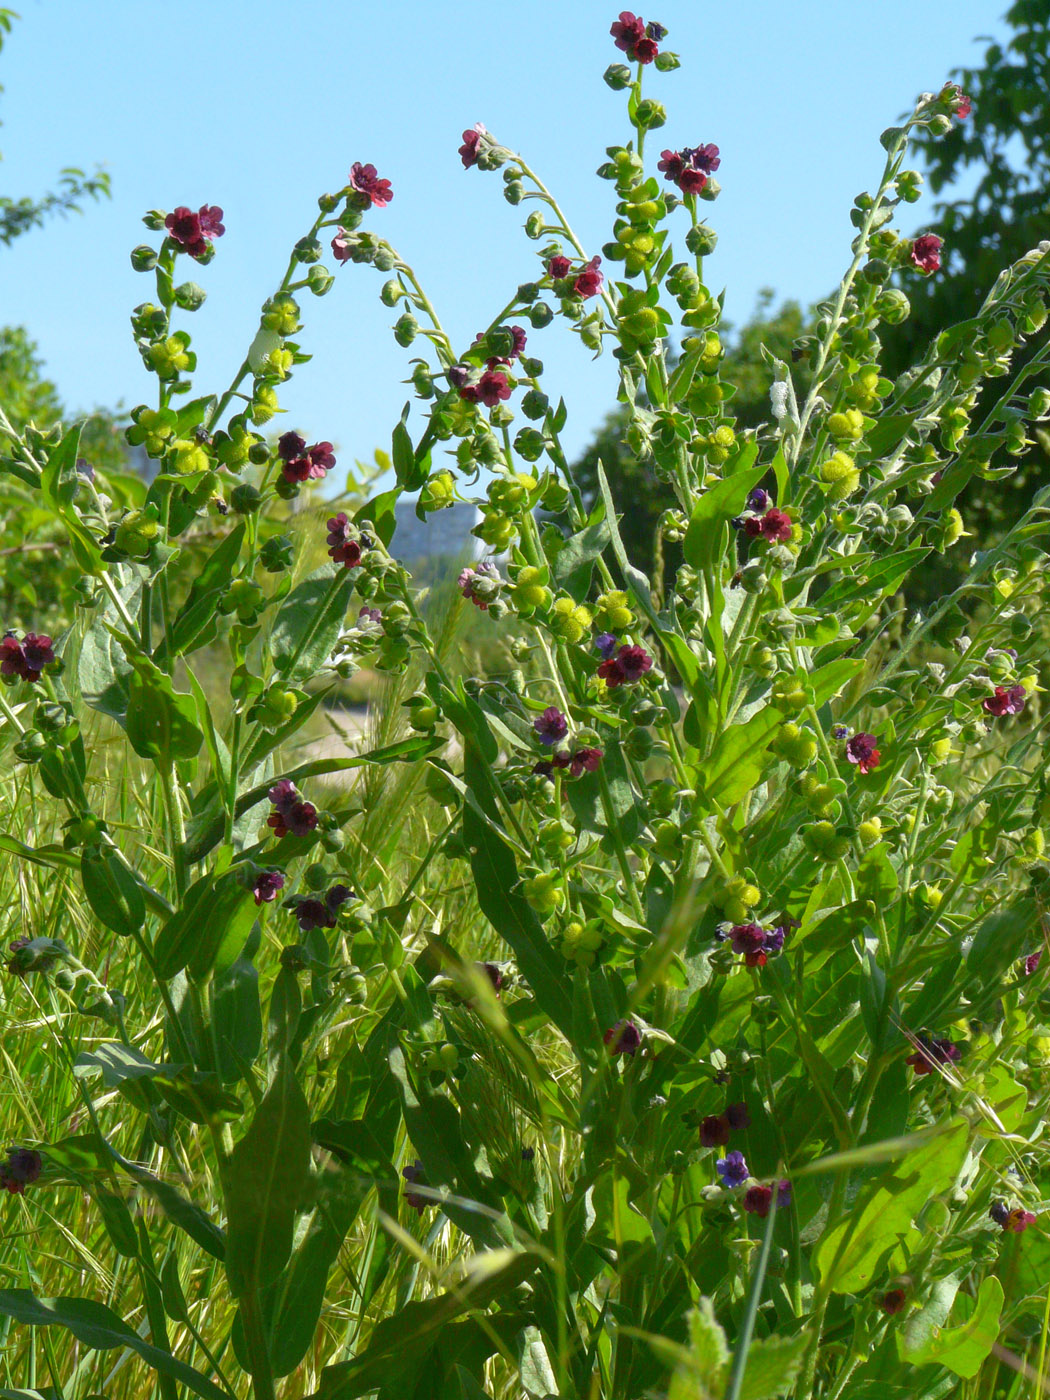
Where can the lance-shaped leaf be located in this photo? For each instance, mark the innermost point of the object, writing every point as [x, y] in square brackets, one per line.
[309, 621]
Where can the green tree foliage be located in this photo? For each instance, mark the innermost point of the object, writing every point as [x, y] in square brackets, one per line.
[18, 216]
[746, 373]
[1001, 156]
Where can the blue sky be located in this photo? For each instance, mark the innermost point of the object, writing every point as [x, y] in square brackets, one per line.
[261, 105]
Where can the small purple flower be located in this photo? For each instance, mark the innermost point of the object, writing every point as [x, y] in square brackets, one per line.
[493, 972]
[1031, 963]
[551, 726]
[458, 376]
[999, 1212]
[312, 913]
[267, 884]
[22, 1168]
[732, 1169]
[480, 584]
[862, 750]
[370, 189]
[623, 1038]
[1003, 702]
[369, 615]
[759, 501]
[840, 731]
[775, 939]
[291, 815]
[783, 1194]
[606, 644]
[414, 1175]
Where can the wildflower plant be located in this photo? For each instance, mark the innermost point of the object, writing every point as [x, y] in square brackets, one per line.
[670, 1059]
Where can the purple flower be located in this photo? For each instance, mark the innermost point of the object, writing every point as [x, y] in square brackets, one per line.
[840, 731]
[22, 1168]
[491, 389]
[551, 726]
[493, 972]
[1031, 963]
[1003, 702]
[310, 464]
[623, 1038]
[584, 760]
[628, 665]
[606, 644]
[414, 1175]
[775, 939]
[369, 615]
[589, 281]
[365, 182]
[732, 1169]
[558, 267]
[291, 815]
[705, 158]
[480, 584]
[638, 40]
[714, 1130]
[775, 526]
[929, 1054]
[341, 547]
[926, 252]
[863, 751]
[25, 659]
[266, 886]
[191, 231]
[758, 500]
[313, 913]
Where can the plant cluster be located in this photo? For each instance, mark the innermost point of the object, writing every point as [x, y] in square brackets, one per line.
[688, 1040]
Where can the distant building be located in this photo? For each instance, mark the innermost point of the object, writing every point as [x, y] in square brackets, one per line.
[443, 534]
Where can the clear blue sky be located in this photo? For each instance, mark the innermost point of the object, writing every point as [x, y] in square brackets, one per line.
[259, 106]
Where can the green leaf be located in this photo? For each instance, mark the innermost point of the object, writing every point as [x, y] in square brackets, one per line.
[705, 537]
[113, 892]
[574, 562]
[54, 857]
[380, 510]
[410, 472]
[738, 758]
[161, 721]
[203, 599]
[98, 1328]
[850, 1250]
[264, 1180]
[209, 931]
[772, 1365]
[103, 672]
[878, 580]
[309, 621]
[964, 1349]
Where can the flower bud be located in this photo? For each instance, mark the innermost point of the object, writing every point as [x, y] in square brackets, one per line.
[277, 554]
[406, 328]
[892, 306]
[667, 62]
[190, 296]
[540, 315]
[319, 279]
[438, 492]
[617, 76]
[143, 258]
[940, 125]
[245, 498]
[650, 115]
[30, 747]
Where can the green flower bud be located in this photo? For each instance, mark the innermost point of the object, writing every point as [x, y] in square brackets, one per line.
[245, 498]
[667, 62]
[555, 497]
[319, 279]
[190, 296]
[277, 554]
[540, 315]
[617, 76]
[439, 491]
[307, 250]
[892, 306]
[30, 747]
[406, 328]
[143, 258]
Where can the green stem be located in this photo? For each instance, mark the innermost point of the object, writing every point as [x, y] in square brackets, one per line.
[176, 828]
[259, 1364]
[758, 1278]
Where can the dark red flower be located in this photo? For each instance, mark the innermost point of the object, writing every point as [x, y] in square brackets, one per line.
[583, 761]
[738, 1117]
[289, 446]
[929, 1054]
[266, 886]
[863, 751]
[892, 1301]
[311, 464]
[342, 548]
[589, 281]
[25, 659]
[757, 1200]
[639, 41]
[926, 252]
[365, 182]
[291, 815]
[468, 152]
[957, 100]
[491, 388]
[1031, 963]
[774, 526]
[623, 1038]
[714, 1130]
[191, 231]
[628, 665]
[342, 248]
[690, 167]
[414, 1175]
[1004, 702]
[558, 267]
[22, 1168]
[493, 973]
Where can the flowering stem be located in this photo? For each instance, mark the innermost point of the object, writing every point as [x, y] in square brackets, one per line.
[10, 716]
[176, 829]
[118, 602]
[550, 200]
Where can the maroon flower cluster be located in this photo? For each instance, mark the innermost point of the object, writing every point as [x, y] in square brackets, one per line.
[716, 1127]
[582, 760]
[314, 913]
[492, 388]
[758, 1199]
[931, 1053]
[628, 665]
[862, 750]
[624, 1038]
[774, 526]
[368, 188]
[690, 167]
[754, 943]
[291, 815]
[1005, 702]
[586, 282]
[342, 547]
[302, 463]
[957, 100]
[22, 1168]
[926, 252]
[518, 339]
[267, 885]
[638, 40]
[192, 231]
[25, 660]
